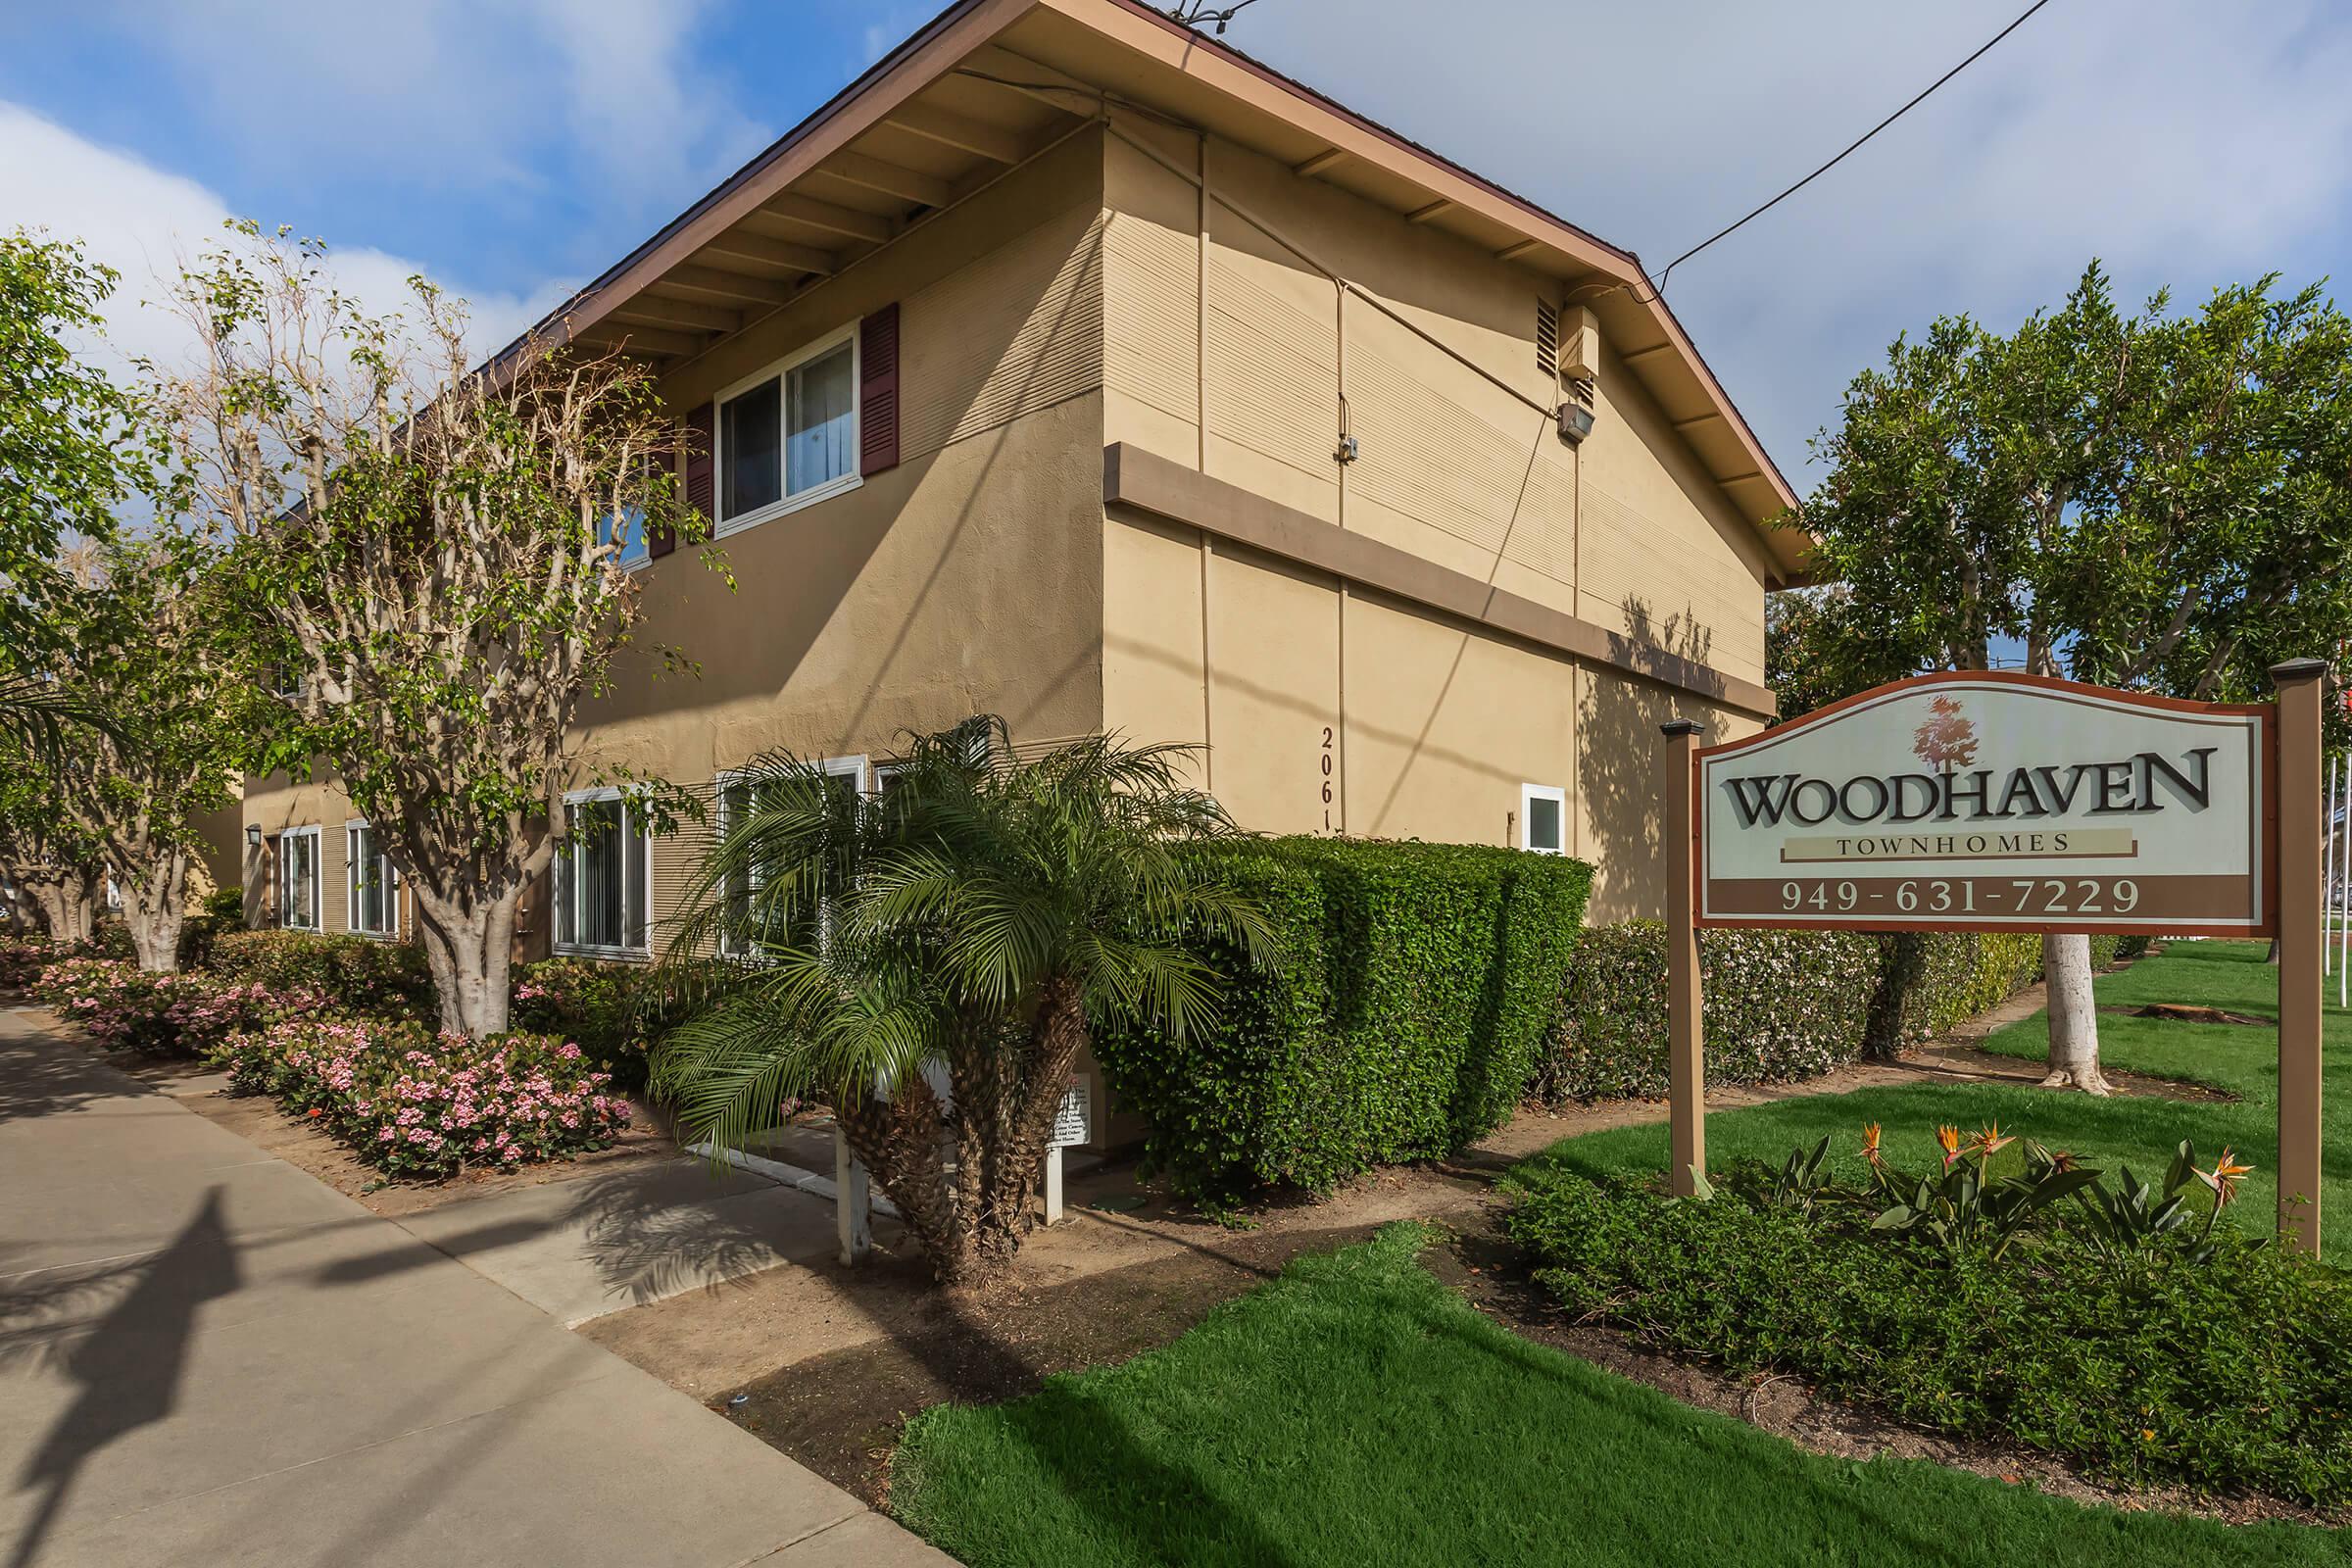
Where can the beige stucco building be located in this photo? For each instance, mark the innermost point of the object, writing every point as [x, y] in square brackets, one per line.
[1072, 368]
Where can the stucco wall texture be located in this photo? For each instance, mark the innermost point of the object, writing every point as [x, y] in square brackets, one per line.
[1094, 296]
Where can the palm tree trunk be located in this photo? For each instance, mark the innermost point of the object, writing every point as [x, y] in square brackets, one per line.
[899, 1140]
[1055, 1040]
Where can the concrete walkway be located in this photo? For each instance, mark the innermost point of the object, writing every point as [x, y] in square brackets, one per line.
[207, 1357]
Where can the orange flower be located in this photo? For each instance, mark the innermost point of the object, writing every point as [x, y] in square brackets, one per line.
[2064, 1161]
[2223, 1178]
[1949, 1138]
[1870, 1141]
[1988, 1141]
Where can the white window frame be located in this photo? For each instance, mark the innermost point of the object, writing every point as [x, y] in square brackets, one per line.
[1528, 794]
[317, 836]
[352, 887]
[780, 372]
[629, 800]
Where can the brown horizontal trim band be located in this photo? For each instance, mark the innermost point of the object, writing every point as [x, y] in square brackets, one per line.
[1150, 482]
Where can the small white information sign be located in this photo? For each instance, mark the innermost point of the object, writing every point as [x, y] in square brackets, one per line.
[1071, 1121]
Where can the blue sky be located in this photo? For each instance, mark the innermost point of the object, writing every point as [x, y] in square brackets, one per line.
[514, 148]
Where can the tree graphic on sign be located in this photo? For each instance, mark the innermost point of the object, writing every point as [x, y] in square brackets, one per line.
[1946, 740]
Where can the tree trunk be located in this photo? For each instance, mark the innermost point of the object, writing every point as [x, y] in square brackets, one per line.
[2073, 1014]
[1055, 1040]
[155, 907]
[900, 1143]
[69, 904]
[470, 950]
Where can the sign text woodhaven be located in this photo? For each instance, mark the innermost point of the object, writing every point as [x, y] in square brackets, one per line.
[1989, 802]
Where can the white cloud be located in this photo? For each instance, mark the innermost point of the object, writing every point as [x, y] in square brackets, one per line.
[456, 93]
[143, 221]
[2183, 143]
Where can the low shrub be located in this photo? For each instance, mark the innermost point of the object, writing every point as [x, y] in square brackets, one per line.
[363, 974]
[185, 1013]
[1965, 972]
[594, 1003]
[1402, 1020]
[426, 1106]
[2142, 1365]
[226, 907]
[23, 957]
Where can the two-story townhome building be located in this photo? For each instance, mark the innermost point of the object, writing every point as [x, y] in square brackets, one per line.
[1072, 367]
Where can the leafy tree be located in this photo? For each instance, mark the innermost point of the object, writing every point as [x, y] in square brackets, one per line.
[431, 557]
[149, 644]
[929, 959]
[69, 455]
[58, 865]
[2156, 501]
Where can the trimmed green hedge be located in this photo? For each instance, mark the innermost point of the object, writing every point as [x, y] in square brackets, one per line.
[1780, 1004]
[1403, 1021]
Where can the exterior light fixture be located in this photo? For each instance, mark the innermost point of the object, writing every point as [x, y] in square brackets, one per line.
[1576, 422]
[253, 835]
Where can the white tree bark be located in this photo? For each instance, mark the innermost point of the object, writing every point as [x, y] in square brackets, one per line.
[2074, 1015]
[470, 946]
[68, 901]
[155, 907]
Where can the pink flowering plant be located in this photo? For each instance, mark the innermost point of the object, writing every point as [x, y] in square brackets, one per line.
[23, 957]
[187, 1013]
[426, 1106]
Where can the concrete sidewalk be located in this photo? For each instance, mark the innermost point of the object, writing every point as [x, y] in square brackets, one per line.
[207, 1357]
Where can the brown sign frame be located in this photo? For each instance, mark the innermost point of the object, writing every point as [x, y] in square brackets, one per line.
[2266, 846]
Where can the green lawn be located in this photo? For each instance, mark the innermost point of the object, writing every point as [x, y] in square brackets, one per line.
[2140, 1131]
[1357, 1412]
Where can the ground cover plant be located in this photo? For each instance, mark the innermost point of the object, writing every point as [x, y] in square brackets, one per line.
[1356, 1411]
[417, 1104]
[2011, 1293]
[2239, 1062]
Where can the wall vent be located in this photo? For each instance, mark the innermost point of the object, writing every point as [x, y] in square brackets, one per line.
[1548, 338]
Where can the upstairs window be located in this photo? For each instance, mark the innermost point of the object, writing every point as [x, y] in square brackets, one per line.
[628, 532]
[789, 435]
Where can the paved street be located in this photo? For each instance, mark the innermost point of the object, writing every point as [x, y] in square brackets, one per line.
[207, 1357]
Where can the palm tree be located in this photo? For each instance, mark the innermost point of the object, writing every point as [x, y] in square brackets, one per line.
[928, 959]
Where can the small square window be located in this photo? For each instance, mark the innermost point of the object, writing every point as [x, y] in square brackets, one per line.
[822, 428]
[1543, 818]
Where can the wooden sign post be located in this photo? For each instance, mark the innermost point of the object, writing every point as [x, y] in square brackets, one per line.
[1999, 801]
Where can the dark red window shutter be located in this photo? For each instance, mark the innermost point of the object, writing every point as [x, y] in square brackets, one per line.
[878, 391]
[699, 470]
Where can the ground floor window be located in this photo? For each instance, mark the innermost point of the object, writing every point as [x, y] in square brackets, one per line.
[602, 875]
[738, 798]
[298, 878]
[1543, 818]
[373, 886]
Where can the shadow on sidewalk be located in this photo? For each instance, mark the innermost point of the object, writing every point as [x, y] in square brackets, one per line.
[128, 1364]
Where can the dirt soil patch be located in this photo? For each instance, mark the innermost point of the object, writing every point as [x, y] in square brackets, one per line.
[2193, 1012]
[1492, 1273]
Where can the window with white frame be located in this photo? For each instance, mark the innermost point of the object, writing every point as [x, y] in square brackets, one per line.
[788, 436]
[602, 875]
[372, 886]
[1543, 818]
[298, 878]
[738, 796]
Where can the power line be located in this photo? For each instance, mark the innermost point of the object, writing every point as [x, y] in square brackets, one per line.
[1725, 232]
[1193, 13]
